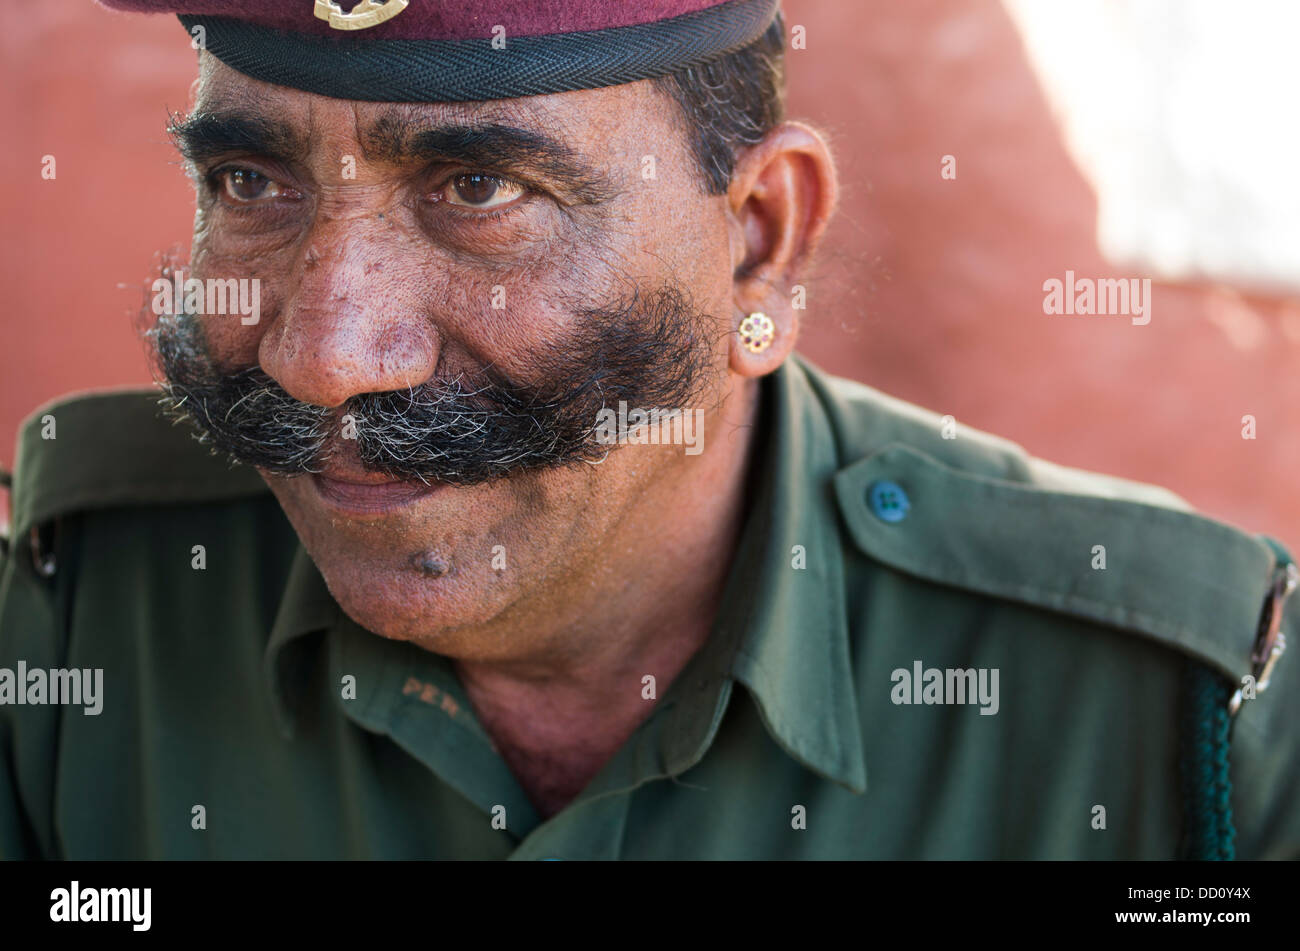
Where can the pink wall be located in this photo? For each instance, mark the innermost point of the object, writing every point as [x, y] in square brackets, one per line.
[929, 289]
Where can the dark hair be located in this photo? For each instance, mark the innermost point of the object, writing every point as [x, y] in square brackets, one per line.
[731, 102]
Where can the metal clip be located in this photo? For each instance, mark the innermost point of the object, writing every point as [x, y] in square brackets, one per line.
[1270, 641]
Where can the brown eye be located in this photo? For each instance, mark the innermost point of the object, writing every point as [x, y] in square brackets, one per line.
[482, 191]
[243, 185]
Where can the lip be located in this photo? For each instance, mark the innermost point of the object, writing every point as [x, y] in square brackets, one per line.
[360, 496]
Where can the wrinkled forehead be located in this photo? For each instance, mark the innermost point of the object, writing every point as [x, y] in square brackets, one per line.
[575, 145]
[587, 121]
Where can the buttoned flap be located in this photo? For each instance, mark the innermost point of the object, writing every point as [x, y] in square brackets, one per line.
[1191, 582]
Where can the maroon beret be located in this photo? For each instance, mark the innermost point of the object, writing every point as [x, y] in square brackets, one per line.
[460, 50]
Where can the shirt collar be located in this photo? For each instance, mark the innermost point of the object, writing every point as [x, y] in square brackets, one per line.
[305, 607]
[780, 630]
[784, 602]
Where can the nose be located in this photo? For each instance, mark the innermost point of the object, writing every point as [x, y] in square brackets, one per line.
[353, 324]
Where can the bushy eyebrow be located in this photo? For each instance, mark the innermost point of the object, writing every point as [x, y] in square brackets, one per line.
[204, 136]
[492, 146]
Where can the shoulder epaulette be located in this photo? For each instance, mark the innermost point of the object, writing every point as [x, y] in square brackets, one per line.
[111, 448]
[985, 516]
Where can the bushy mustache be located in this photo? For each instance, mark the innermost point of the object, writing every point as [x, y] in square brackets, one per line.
[464, 429]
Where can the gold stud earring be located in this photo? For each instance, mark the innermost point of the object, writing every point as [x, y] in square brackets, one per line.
[757, 332]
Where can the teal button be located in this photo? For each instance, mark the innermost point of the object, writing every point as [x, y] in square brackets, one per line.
[888, 501]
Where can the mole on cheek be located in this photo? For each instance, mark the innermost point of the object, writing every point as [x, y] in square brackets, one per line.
[429, 564]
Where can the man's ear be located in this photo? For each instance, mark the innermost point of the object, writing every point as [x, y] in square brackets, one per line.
[781, 197]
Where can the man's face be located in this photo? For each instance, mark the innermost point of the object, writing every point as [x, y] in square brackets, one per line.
[449, 293]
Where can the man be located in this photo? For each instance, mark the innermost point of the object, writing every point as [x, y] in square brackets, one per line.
[566, 554]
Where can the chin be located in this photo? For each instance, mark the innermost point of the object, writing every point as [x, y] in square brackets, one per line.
[421, 572]
[458, 570]
[387, 597]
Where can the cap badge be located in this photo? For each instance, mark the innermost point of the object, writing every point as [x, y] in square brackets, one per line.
[363, 16]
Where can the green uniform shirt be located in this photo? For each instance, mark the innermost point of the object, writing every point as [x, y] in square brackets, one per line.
[876, 548]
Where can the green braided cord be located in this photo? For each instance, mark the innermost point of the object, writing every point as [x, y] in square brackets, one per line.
[1208, 832]
[1207, 788]
[1221, 732]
